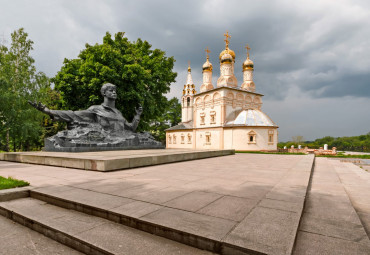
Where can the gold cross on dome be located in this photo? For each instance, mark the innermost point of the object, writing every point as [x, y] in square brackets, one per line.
[248, 48]
[227, 38]
[207, 52]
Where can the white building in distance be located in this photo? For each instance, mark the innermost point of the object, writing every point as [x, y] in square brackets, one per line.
[226, 116]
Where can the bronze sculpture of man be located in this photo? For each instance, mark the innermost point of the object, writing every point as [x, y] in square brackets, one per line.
[100, 127]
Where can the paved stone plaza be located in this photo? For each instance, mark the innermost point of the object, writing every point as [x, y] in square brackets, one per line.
[237, 204]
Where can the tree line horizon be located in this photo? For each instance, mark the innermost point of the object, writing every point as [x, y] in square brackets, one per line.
[359, 143]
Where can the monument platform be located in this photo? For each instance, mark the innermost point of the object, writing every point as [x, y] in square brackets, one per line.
[111, 160]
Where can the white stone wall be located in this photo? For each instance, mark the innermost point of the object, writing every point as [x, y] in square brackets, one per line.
[213, 143]
[233, 138]
[179, 144]
[240, 138]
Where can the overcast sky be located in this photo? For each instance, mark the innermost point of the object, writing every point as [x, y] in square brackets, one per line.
[312, 58]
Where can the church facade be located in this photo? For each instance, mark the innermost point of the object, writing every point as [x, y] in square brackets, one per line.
[225, 116]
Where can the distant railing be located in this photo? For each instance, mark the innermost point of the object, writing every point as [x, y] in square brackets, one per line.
[306, 150]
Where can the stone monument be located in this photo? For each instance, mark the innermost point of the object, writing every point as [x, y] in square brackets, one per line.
[99, 128]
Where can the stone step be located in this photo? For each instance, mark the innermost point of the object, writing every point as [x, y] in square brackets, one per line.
[16, 239]
[87, 233]
[356, 182]
[330, 224]
[203, 232]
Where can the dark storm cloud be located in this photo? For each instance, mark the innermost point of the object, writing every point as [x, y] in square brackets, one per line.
[306, 46]
[355, 85]
[317, 51]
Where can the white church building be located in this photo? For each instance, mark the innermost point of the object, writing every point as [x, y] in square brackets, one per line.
[227, 116]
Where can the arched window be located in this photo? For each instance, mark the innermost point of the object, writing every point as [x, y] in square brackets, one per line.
[252, 137]
[271, 136]
[213, 117]
[189, 138]
[208, 138]
[202, 118]
[188, 101]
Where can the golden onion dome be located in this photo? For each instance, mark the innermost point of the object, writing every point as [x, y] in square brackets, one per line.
[227, 51]
[248, 64]
[226, 58]
[207, 66]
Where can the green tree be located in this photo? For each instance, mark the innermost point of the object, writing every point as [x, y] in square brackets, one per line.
[142, 76]
[173, 113]
[170, 117]
[20, 82]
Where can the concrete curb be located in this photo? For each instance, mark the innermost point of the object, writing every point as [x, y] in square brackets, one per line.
[304, 205]
[10, 194]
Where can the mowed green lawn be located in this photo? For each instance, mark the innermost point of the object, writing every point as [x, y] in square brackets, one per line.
[8, 183]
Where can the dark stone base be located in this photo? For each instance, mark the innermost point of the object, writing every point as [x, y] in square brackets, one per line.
[96, 148]
[86, 140]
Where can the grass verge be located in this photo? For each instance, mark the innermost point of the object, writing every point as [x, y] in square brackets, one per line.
[9, 183]
[346, 156]
[263, 152]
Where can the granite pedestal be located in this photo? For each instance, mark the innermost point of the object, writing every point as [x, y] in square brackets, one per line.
[111, 160]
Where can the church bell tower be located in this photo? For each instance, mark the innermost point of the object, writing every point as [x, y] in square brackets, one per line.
[207, 74]
[248, 66]
[187, 98]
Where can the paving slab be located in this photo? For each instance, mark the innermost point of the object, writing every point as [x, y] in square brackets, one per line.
[16, 239]
[193, 201]
[94, 199]
[282, 205]
[111, 160]
[313, 244]
[119, 239]
[161, 196]
[193, 223]
[266, 230]
[136, 209]
[230, 208]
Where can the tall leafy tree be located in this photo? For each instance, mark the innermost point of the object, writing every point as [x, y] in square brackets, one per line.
[170, 117]
[20, 82]
[142, 76]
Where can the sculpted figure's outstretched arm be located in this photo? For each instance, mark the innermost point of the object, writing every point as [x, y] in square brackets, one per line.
[66, 116]
[41, 107]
